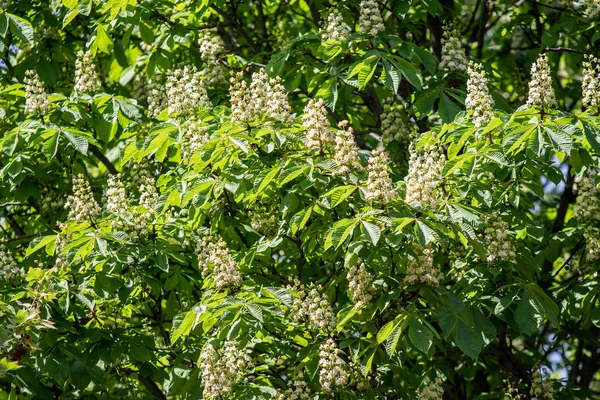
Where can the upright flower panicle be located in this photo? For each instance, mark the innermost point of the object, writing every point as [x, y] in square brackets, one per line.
[332, 369]
[148, 192]
[379, 183]
[393, 125]
[541, 92]
[83, 206]
[36, 100]
[591, 8]
[318, 130]
[185, 91]
[421, 269]
[370, 21]
[587, 208]
[360, 285]
[499, 244]
[264, 96]
[432, 390]
[541, 385]
[211, 47]
[222, 370]
[590, 85]
[479, 102]
[214, 256]
[346, 150]
[8, 265]
[86, 77]
[453, 53]
[424, 175]
[156, 97]
[193, 137]
[116, 198]
[335, 27]
[297, 389]
[314, 308]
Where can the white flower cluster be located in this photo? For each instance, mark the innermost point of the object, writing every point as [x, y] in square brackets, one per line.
[62, 239]
[379, 183]
[50, 201]
[332, 371]
[86, 77]
[592, 8]
[393, 125]
[315, 309]
[421, 269]
[156, 97]
[541, 386]
[214, 255]
[318, 130]
[592, 245]
[116, 198]
[590, 84]
[357, 377]
[369, 20]
[222, 370]
[263, 220]
[346, 150]
[541, 92]
[36, 100]
[453, 53]
[424, 175]
[335, 27]
[499, 244]
[360, 285]
[587, 208]
[432, 390]
[8, 265]
[479, 102]
[193, 137]
[83, 206]
[211, 46]
[297, 389]
[185, 91]
[148, 193]
[263, 96]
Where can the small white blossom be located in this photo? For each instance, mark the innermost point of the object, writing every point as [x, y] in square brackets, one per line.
[297, 389]
[360, 285]
[185, 91]
[541, 92]
[453, 53]
[193, 137]
[590, 84]
[591, 8]
[83, 206]
[314, 308]
[86, 77]
[500, 246]
[479, 102]
[210, 44]
[332, 369]
[541, 385]
[222, 370]
[264, 96]
[148, 193]
[346, 150]
[36, 100]
[393, 125]
[214, 256]
[335, 27]
[369, 20]
[214, 73]
[592, 243]
[8, 265]
[424, 175]
[156, 97]
[379, 183]
[116, 198]
[318, 130]
[432, 390]
[263, 220]
[421, 269]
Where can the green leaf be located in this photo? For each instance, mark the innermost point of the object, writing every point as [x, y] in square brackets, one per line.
[20, 28]
[528, 316]
[185, 327]
[340, 232]
[467, 340]
[339, 194]
[420, 335]
[38, 243]
[80, 143]
[373, 232]
[69, 17]
[268, 179]
[424, 233]
[447, 109]
[103, 41]
[387, 330]
[545, 302]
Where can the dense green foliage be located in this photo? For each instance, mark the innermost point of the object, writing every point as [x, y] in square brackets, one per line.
[228, 242]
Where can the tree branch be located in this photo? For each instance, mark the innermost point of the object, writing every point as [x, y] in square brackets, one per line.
[153, 388]
[100, 156]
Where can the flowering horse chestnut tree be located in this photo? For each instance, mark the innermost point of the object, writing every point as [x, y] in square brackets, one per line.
[303, 199]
